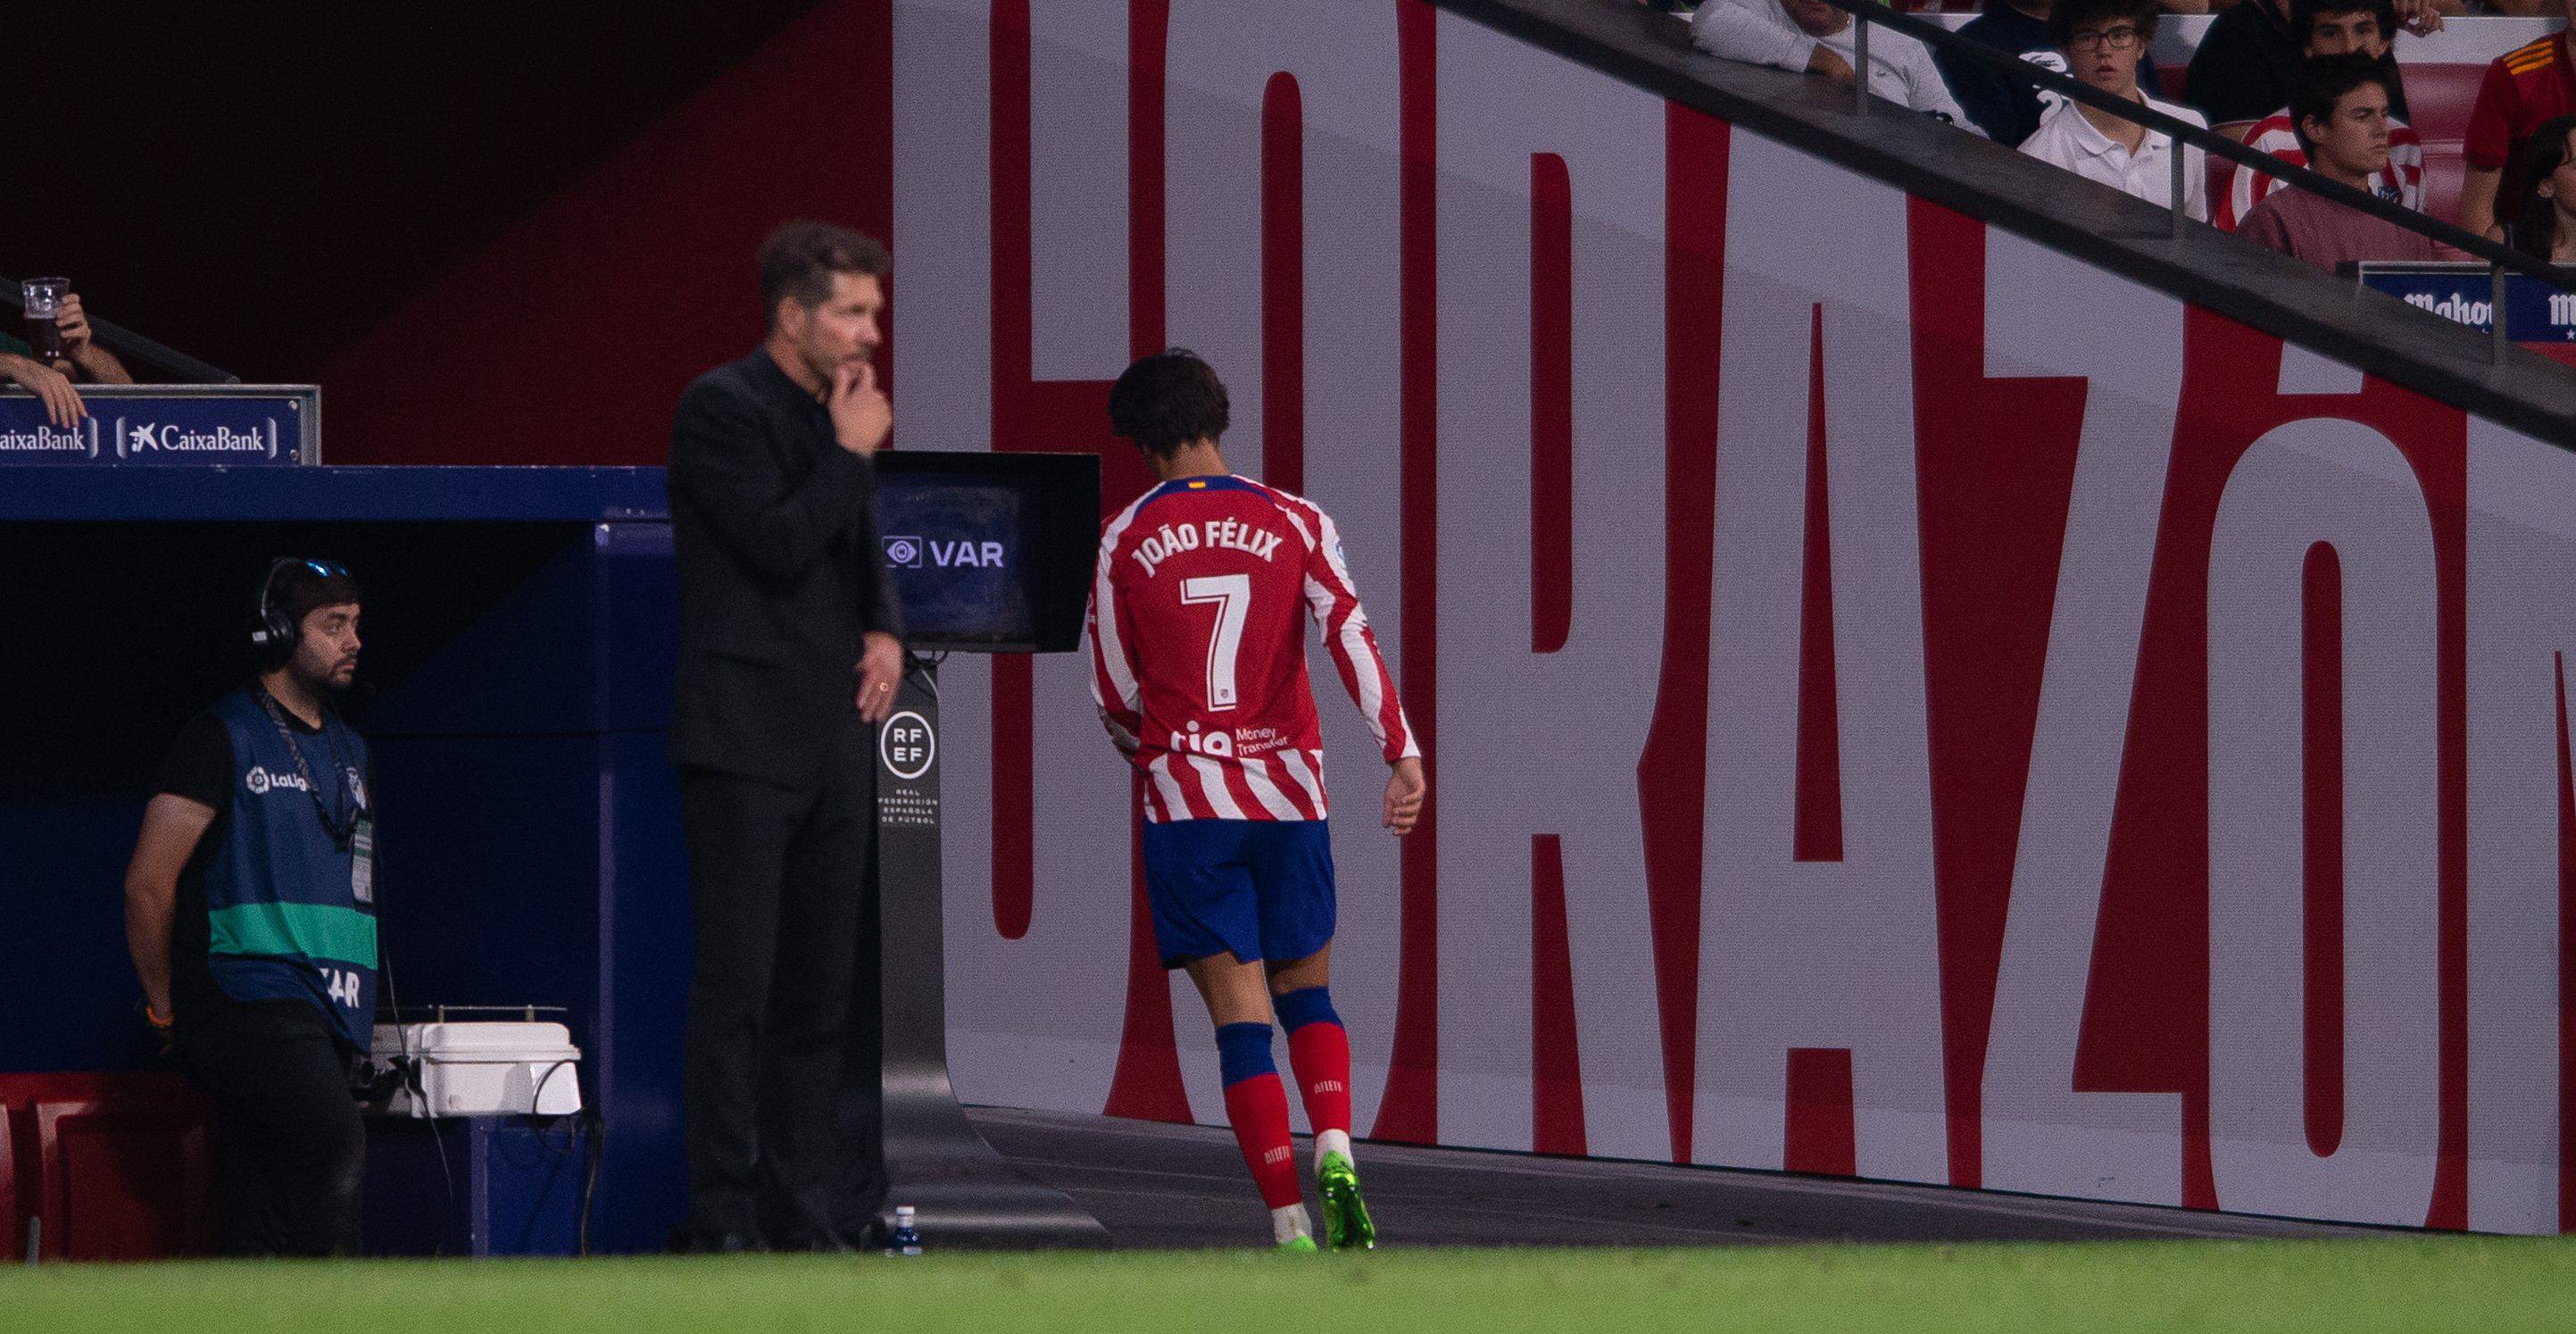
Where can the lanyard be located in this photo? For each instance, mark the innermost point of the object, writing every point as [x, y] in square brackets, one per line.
[343, 826]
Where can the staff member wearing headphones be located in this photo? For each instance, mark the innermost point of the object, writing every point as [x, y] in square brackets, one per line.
[250, 911]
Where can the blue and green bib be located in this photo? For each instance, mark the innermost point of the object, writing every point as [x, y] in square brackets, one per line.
[290, 909]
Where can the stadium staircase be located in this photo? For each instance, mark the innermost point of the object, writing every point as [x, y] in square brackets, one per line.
[2231, 276]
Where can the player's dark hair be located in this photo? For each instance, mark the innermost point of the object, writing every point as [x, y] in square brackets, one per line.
[2534, 231]
[1167, 400]
[2066, 16]
[2323, 82]
[2305, 13]
[799, 259]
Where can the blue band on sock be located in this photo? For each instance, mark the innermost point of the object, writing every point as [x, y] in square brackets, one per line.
[1243, 1051]
[1313, 1005]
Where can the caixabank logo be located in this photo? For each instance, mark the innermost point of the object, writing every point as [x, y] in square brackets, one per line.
[143, 440]
[43, 442]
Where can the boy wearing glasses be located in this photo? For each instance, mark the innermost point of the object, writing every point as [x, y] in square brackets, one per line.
[2101, 42]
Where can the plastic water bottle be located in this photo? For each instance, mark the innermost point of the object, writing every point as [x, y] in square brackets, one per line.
[905, 1239]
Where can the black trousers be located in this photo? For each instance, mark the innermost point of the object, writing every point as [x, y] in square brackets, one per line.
[294, 1147]
[780, 889]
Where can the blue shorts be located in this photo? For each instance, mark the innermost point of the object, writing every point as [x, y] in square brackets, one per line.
[1256, 889]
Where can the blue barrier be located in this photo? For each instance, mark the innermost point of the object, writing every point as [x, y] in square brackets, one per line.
[2534, 311]
[168, 425]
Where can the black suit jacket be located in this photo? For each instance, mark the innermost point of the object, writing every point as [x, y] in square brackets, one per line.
[774, 530]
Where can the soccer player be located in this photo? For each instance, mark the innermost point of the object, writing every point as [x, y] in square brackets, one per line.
[1200, 674]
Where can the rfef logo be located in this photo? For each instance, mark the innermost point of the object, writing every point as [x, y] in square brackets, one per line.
[907, 745]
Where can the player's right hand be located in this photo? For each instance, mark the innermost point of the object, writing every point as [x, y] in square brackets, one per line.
[1404, 791]
[861, 416]
[63, 406]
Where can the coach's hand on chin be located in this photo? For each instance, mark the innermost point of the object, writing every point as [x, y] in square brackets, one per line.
[1404, 789]
[880, 675]
[862, 416]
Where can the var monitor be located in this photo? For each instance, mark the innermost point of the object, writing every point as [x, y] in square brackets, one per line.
[991, 553]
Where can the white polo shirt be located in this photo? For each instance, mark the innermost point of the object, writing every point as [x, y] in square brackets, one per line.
[1760, 32]
[2067, 139]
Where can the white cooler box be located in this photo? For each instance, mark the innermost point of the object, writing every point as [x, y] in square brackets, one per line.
[481, 1069]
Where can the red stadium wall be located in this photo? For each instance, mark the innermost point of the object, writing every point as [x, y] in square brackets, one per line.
[1900, 702]
[568, 340]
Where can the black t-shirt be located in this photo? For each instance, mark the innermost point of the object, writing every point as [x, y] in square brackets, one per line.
[2245, 65]
[2248, 64]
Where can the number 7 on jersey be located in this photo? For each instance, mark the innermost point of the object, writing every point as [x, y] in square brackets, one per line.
[1232, 594]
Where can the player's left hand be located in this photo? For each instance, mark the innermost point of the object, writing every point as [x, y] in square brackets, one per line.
[880, 675]
[1404, 790]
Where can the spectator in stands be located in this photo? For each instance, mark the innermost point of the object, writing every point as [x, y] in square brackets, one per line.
[2249, 59]
[2101, 42]
[2523, 87]
[2331, 28]
[2007, 109]
[83, 358]
[1813, 37]
[2341, 110]
[2545, 226]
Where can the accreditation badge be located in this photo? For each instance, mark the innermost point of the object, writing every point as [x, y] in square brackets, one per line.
[362, 859]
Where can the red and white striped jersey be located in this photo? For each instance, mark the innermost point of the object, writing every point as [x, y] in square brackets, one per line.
[1198, 664]
[2402, 182]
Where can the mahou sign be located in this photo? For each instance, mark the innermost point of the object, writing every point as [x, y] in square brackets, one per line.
[1901, 701]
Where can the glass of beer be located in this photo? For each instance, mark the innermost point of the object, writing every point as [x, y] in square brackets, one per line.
[42, 299]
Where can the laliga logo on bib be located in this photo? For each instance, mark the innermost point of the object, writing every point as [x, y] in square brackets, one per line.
[259, 780]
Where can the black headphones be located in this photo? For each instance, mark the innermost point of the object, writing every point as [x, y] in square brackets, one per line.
[277, 633]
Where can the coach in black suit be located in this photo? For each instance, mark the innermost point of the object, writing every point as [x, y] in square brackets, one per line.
[790, 651]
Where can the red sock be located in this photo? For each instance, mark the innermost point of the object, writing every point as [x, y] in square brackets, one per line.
[1258, 1108]
[1320, 1053]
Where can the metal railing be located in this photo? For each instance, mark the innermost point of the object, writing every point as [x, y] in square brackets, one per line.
[2500, 258]
[126, 343]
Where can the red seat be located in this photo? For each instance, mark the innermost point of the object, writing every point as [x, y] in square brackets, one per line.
[13, 1241]
[2440, 98]
[115, 1165]
[124, 1179]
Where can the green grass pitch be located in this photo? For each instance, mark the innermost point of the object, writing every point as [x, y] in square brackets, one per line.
[2400, 1284]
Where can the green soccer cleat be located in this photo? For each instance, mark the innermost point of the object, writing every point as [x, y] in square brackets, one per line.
[1346, 1216]
[1296, 1246]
